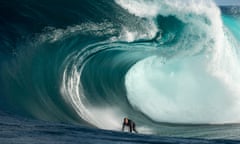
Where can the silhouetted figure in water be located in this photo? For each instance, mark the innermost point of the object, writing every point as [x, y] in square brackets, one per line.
[130, 124]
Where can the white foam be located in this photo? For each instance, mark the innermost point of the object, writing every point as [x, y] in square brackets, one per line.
[146, 8]
[180, 91]
[52, 34]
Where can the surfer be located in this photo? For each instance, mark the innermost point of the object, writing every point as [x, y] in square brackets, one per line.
[130, 124]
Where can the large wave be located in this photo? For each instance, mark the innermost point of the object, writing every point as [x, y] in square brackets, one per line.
[156, 62]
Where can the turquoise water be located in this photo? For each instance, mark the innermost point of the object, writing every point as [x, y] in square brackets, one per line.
[233, 23]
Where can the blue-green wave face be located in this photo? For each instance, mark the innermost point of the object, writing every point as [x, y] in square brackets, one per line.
[93, 62]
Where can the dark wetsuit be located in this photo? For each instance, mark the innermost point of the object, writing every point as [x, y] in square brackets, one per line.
[131, 125]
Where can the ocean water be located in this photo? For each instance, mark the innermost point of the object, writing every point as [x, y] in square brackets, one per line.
[70, 71]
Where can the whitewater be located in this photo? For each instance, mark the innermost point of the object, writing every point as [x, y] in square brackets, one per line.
[82, 66]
